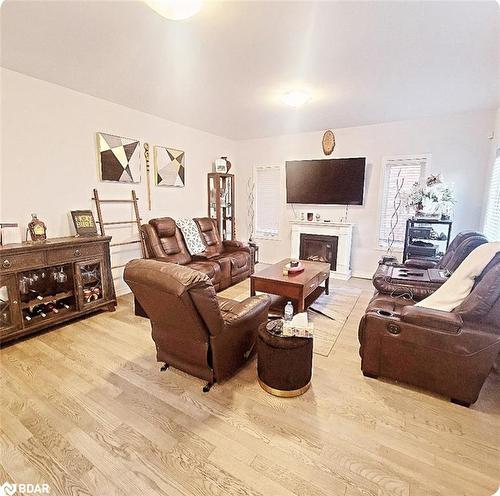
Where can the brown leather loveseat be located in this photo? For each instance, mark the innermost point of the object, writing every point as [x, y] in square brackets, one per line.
[235, 258]
[193, 329]
[224, 262]
[420, 278]
[450, 353]
[164, 242]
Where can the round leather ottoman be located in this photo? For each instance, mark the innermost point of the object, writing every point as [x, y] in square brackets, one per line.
[284, 365]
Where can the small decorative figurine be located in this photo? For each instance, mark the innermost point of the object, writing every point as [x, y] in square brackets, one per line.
[37, 229]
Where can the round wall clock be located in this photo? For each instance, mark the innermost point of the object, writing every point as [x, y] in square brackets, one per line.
[328, 142]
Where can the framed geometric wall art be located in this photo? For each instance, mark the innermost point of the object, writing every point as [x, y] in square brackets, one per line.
[119, 158]
[169, 167]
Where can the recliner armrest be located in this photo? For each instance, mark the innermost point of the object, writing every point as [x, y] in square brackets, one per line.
[246, 311]
[434, 319]
[203, 257]
[233, 245]
[418, 263]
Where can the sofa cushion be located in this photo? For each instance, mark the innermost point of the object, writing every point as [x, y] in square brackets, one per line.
[239, 259]
[165, 226]
[164, 239]
[210, 236]
[211, 269]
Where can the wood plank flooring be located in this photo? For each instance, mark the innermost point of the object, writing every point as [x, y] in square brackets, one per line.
[85, 409]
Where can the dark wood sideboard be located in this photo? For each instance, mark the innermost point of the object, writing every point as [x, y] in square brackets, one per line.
[45, 283]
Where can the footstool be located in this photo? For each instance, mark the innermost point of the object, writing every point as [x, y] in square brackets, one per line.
[284, 364]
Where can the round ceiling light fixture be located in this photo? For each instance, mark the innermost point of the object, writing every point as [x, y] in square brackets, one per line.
[176, 10]
[295, 98]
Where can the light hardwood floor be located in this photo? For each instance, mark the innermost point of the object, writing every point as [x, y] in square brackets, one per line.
[85, 409]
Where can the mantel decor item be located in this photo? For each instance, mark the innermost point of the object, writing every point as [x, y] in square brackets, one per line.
[37, 229]
[432, 200]
[119, 158]
[84, 222]
[328, 142]
[169, 167]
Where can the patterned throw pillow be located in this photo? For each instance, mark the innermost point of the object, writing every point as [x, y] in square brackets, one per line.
[192, 236]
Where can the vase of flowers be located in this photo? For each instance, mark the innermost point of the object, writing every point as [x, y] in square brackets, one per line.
[432, 200]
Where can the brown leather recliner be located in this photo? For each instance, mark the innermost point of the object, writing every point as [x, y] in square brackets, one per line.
[193, 329]
[450, 353]
[432, 274]
[459, 248]
[164, 242]
[236, 259]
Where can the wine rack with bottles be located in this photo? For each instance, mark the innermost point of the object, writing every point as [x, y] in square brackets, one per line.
[43, 284]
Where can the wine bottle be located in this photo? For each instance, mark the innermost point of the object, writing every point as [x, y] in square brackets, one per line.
[39, 310]
[27, 316]
[51, 307]
[62, 304]
[36, 294]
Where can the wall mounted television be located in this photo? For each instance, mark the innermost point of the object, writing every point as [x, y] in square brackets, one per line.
[336, 181]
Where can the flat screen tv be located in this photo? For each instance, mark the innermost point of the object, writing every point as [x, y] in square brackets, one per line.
[336, 181]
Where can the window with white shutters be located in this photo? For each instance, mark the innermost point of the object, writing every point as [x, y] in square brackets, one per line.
[267, 201]
[492, 219]
[405, 170]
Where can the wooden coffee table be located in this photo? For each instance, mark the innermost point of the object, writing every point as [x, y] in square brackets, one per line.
[297, 287]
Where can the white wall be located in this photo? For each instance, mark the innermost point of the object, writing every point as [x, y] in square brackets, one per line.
[460, 151]
[49, 164]
[49, 161]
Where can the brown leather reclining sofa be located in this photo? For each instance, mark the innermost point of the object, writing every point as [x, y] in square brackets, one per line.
[193, 329]
[450, 353]
[224, 262]
[431, 277]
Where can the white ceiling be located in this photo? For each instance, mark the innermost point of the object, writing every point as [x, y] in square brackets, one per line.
[224, 69]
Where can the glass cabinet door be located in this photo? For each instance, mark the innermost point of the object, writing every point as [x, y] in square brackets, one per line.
[91, 286]
[10, 319]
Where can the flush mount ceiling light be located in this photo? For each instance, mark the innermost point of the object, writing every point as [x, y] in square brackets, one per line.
[295, 98]
[175, 9]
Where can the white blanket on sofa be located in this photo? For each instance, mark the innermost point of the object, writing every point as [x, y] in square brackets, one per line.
[191, 235]
[454, 291]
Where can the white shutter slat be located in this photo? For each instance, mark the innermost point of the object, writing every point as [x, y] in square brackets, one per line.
[492, 219]
[412, 169]
[267, 201]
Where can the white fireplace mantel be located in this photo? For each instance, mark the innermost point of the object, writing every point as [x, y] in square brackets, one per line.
[343, 230]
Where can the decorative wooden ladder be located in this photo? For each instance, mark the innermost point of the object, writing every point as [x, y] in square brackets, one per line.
[137, 221]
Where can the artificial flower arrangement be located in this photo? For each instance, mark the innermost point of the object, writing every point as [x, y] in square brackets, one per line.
[432, 199]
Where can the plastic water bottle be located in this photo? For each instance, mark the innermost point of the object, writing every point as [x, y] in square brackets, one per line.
[288, 311]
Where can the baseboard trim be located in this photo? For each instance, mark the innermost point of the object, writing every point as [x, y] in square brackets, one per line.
[362, 275]
[122, 291]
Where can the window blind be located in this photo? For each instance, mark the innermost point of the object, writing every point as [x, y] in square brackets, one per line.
[409, 169]
[267, 201]
[492, 219]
